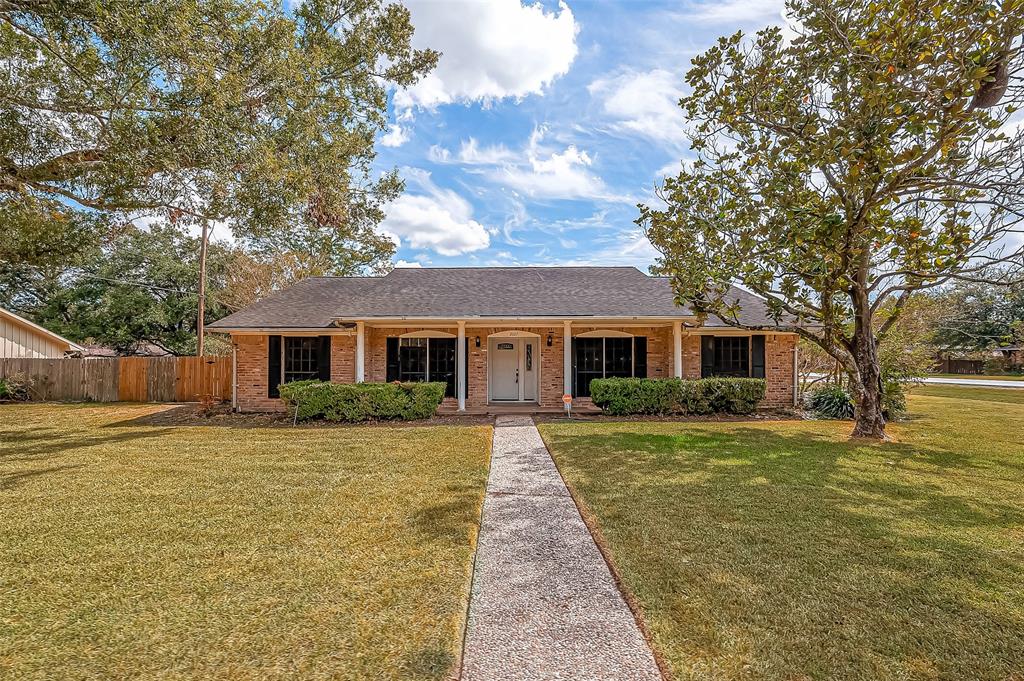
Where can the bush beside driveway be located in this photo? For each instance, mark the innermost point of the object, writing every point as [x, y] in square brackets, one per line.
[780, 550]
[132, 549]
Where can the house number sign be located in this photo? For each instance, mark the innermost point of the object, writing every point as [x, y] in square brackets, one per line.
[506, 346]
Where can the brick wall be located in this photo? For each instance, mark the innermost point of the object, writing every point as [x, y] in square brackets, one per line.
[252, 370]
[691, 356]
[343, 359]
[252, 363]
[778, 370]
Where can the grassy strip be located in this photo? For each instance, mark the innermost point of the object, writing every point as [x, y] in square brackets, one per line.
[779, 550]
[215, 552]
[978, 377]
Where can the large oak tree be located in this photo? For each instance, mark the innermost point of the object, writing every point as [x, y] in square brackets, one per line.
[204, 110]
[840, 170]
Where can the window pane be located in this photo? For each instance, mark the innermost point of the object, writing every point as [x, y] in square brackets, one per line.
[732, 356]
[300, 359]
[589, 364]
[412, 360]
[618, 357]
[441, 363]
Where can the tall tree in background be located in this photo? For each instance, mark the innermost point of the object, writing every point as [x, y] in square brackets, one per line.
[139, 288]
[203, 111]
[841, 171]
[980, 316]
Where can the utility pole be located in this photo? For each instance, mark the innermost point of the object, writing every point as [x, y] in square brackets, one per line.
[200, 330]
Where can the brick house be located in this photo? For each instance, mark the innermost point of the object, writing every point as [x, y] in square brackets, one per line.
[497, 335]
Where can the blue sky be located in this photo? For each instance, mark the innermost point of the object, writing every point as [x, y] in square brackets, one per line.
[544, 125]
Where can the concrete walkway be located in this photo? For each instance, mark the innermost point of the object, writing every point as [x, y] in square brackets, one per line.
[543, 605]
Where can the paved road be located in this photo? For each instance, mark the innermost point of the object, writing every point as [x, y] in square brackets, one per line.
[544, 604]
[976, 382]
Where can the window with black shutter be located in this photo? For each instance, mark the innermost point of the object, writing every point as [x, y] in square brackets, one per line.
[301, 359]
[732, 356]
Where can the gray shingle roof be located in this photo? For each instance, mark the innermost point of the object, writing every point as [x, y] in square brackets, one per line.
[468, 292]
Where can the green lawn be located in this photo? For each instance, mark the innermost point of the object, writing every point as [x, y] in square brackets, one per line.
[779, 550]
[138, 550]
[980, 377]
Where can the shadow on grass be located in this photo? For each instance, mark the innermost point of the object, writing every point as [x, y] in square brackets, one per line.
[37, 443]
[798, 554]
[11, 480]
[188, 415]
[451, 520]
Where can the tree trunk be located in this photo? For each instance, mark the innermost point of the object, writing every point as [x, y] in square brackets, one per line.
[200, 318]
[867, 383]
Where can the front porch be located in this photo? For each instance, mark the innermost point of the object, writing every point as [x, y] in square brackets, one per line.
[504, 366]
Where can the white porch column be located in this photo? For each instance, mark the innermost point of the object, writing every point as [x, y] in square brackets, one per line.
[360, 352]
[567, 357]
[677, 349]
[460, 368]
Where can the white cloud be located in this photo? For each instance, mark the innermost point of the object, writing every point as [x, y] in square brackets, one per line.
[472, 153]
[643, 103]
[405, 264]
[437, 219]
[562, 175]
[735, 12]
[396, 136]
[490, 50]
[628, 247]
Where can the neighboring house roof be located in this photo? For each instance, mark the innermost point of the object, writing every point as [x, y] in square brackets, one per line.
[38, 330]
[477, 292]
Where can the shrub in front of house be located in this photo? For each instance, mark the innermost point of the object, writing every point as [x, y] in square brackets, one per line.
[831, 402]
[834, 402]
[659, 396]
[354, 402]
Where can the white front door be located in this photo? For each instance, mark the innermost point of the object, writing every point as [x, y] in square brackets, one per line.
[504, 362]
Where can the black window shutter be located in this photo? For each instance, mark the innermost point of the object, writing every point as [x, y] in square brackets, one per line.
[392, 360]
[465, 362]
[757, 356]
[707, 356]
[273, 365]
[640, 357]
[323, 359]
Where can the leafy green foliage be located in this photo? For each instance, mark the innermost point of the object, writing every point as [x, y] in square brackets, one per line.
[622, 396]
[831, 402]
[233, 110]
[353, 402]
[141, 287]
[16, 388]
[980, 316]
[841, 171]
[894, 400]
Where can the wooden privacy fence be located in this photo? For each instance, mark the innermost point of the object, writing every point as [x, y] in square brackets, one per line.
[125, 379]
[948, 365]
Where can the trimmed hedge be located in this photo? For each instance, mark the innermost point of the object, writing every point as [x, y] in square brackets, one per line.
[362, 401]
[624, 396]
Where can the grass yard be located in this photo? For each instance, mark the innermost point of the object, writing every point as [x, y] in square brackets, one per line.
[131, 549]
[981, 377]
[779, 550]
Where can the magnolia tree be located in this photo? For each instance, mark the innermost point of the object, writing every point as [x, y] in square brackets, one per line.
[838, 171]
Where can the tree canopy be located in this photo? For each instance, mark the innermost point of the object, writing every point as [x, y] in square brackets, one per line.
[838, 171]
[231, 110]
